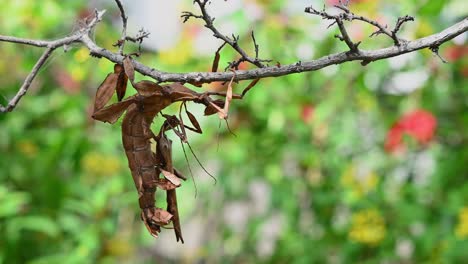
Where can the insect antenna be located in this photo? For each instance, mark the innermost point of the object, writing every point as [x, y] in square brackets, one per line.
[199, 163]
[217, 135]
[230, 131]
[189, 167]
[183, 138]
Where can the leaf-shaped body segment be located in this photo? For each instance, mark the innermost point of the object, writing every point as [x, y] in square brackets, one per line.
[105, 91]
[147, 88]
[194, 121]
[112, 113]
[211, 110]
[129, 69]
[121, 86]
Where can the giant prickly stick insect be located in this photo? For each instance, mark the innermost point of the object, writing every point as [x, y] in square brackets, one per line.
[147, 166]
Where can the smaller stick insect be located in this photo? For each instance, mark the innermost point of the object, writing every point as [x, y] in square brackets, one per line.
[164, 161]
[147, 166]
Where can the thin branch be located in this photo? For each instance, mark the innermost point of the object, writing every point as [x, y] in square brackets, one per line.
[27, 82]
[435, 50]
[366, 56]
[31, 42]
[255, 45]
[233, 42]
[399, 23]
[338, 19]
[142, 34]
[121, 42]
[345, 37]
[51, 46]
[350, 16]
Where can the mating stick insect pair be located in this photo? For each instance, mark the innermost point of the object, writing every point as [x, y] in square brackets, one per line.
[151, 170]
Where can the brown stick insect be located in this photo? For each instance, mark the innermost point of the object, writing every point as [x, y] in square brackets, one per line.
[151, 170]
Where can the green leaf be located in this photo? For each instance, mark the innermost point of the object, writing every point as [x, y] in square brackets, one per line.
[40, 224]
[432, 7]
[13, 203]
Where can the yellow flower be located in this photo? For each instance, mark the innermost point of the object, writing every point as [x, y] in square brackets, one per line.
[367, 227]
[358, 184]
[78, 73]
[365, 102]
[28, 148]
[119, 246]
[98, 164]
[82, 55]
[461, 231]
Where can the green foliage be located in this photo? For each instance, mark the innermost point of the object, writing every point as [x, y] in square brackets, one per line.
[306, 178]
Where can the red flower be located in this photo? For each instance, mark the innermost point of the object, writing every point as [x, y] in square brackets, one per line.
[307, 113]
[455, 52]
[418, 124]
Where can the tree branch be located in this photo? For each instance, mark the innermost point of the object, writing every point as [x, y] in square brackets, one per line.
[233, 42]
[27, 82]
[350, 16]
[121, 42]
[365, 56]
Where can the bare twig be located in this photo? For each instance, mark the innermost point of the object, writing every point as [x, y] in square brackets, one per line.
[255, 45]
[75, 37]
[142, 34]
[350, 16]
[121, 42]
[233, 42]
[435, 50]
[345, 37]
[399, 23]
[32, 42]
[338, 19]
[27, 82]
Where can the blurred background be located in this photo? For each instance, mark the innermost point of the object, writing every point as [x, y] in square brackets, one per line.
[347, 164]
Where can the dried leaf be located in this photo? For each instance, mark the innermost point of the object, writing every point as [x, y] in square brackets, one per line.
[165, 184]
[172, 208]
[147, 88]
[112, 112]
[214, 68]
[129, 69]
[171, 177]
[153, 229]
[197, 84]
[161, 217]
[224, 114]
[105, 91]
[180, 92]
[210, 109]
[251, 84]
[118, 68]
[194, 121]
[121, 86]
